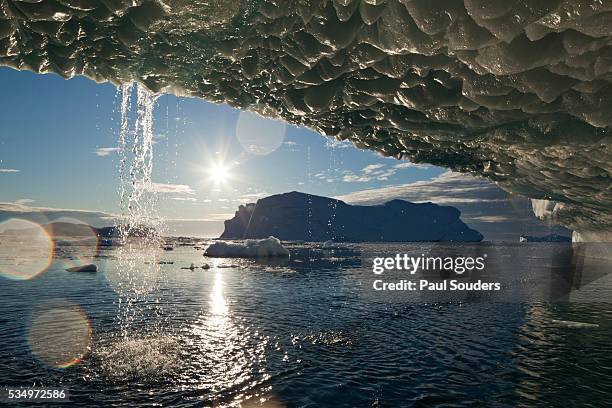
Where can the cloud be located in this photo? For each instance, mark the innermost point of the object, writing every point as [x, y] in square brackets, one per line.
[168, 188]
[192, 199]
[410, 165]
[218, 217]
[9, 171]
[352, 178]
[251, 197]
[43, 215]
[105, 151]
[447, 188]
[370, 168]
[375, 171]
[332, 143]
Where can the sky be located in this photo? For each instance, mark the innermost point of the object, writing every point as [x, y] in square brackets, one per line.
[58, 156]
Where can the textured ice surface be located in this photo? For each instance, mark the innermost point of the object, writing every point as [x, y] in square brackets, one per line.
[250, 248]
[517, 91]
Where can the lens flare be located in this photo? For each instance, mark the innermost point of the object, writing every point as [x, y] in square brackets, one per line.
[76, 242]
[26, 249]
[258, 135]
[60, 334]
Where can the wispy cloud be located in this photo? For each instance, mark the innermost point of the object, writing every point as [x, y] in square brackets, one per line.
[410, 165]
[371, 168]
[447, 188]
[353, 178]
[42, 215]
[105, 151]
[9, 170]
[218, 217]
[371, 172]
[251, 197]
[192, 199]
[338, 144]
[168, 188]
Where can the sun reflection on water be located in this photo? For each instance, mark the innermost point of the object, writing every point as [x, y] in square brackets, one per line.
[231, 355]
[219, 308]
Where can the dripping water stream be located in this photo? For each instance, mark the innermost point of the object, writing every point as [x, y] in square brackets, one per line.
[136, 348]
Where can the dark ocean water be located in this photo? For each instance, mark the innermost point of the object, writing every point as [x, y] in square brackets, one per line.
[296, 334]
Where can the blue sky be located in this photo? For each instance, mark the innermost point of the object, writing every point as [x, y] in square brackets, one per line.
[57, 139]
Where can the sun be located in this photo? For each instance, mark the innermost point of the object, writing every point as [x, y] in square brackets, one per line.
[219, 173]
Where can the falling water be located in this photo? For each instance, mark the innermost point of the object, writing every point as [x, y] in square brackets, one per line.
[137, 196]
[135, 275]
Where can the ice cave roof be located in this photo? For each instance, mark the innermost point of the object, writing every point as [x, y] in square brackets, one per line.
[517, 91]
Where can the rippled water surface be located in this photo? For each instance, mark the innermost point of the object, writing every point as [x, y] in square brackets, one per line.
[296, 334]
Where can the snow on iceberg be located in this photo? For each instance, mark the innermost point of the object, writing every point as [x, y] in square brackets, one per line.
[251, 248]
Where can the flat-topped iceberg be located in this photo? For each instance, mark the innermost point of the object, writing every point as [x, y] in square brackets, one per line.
[298, 216]
[250, 248]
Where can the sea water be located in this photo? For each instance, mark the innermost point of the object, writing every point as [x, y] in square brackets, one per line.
[301, 332]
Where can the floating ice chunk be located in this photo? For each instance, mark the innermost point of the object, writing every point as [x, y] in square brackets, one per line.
[575, 325]
[328, 245]
[191, 267]
[251, 248]
[84, 268]
[331, 245]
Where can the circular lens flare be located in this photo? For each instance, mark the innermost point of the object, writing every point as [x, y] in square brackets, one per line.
[60, 334]
[258, 135]
[26, 249]
[76, 242]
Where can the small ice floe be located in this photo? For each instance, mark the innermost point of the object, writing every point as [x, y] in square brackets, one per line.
[331, 245]
[190, 267]
[575, 325]
[251, 248]
[83, 268]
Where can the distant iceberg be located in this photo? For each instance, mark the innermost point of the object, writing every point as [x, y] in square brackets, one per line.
[250, 248]
[298, 216]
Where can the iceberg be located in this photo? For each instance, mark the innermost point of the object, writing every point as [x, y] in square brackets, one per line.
[250, 248]
[298, 216]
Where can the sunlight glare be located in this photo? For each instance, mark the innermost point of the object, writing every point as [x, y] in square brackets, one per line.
[219, 173]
